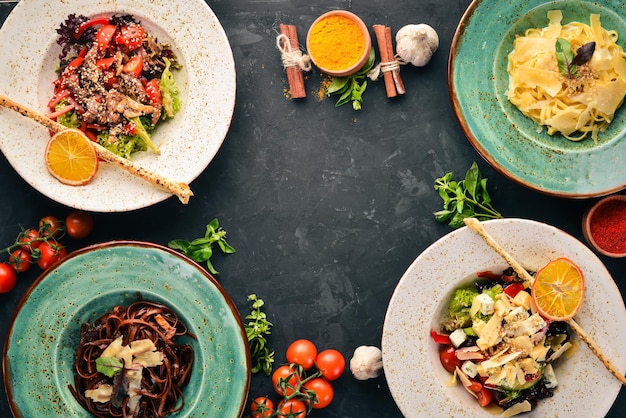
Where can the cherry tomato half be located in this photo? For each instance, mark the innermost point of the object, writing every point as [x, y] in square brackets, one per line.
[331, 364]
[21, 260]
[8, 278]
[484, 396]
[78, 224]
[104, 36]
[50, 226]
[449, 360]
[153, 91]
[130, 36]
[133, 66]
[262, 407]
[303, 353]
[285, 379]
[49, 253]
[292, 408]
[324, 392]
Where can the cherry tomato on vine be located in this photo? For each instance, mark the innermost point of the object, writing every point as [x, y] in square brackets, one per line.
[30, 239]
[8, 277]
[292, 408]
[78, 224]
[449, 360]
[50, 226]
[330, 363]
[303, 353]
[50, 253]
[324, 392]
[262, 407]
[21, 260]
[288, 376]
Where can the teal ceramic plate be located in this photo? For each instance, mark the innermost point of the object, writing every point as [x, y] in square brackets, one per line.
[39, 350]
[500, 133]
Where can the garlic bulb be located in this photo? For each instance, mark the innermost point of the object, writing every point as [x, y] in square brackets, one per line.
[366, 362]
[416, 43]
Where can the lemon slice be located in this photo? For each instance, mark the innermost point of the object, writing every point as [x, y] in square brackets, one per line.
[71, 158]
[558, 289]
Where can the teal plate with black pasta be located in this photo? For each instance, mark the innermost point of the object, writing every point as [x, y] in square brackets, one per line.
[509, 141]
[44, 334]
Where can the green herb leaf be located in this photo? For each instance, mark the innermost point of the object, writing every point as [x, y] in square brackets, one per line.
[257, 328]
[109, 366]
[564, 58]
[348, 88]
[464, 199]
[200, 250]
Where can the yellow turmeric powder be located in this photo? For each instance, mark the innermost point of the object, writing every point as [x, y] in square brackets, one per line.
[336, 43]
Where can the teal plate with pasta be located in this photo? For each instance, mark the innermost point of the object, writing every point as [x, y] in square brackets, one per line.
[511, 142]
[44, 334]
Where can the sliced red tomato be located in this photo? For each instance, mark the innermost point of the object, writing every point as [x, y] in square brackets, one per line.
[104, 36]
[153, 91]
[134, 66]
[514, 288]
[130, 36]
[484, 396]
[105, 63]
[440, 338]
[90, 23]
[77, 62]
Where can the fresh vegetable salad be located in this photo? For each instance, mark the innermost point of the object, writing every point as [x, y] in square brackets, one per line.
[497, 346]
[115, 82]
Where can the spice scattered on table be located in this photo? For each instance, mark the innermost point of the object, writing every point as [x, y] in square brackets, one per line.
[293, 60]
[608, 226]
[389, 66]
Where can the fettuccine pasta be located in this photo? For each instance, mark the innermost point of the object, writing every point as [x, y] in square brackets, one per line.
[575, 107]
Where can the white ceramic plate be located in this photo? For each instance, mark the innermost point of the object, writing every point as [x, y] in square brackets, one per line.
[411, 362]
[188, 142]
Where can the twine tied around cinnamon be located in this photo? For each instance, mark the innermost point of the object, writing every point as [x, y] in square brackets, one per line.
[385, 67]
[292, 57]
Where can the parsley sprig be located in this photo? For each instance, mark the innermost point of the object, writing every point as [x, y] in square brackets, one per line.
[465, 198]
[350, 88]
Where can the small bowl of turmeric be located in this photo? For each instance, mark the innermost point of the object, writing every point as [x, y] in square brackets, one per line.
[338, 43]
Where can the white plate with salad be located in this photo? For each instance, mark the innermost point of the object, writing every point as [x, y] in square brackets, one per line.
[187, 142]
[417, 379]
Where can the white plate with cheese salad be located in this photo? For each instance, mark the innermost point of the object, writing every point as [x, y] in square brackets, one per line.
[417, 380]
[187, 142]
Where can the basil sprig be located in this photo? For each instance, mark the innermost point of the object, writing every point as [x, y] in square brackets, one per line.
[568, 62]
[349, 87]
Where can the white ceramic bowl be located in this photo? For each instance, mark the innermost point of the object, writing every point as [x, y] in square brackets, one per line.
[418, 382]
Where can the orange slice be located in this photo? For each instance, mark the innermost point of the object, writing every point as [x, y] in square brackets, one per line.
[71, 158]
[558, 289]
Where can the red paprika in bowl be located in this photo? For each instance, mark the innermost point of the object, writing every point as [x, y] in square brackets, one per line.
[604, 226]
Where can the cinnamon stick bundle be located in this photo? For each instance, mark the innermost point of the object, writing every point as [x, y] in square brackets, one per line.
[295, 78]
[391, 74]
